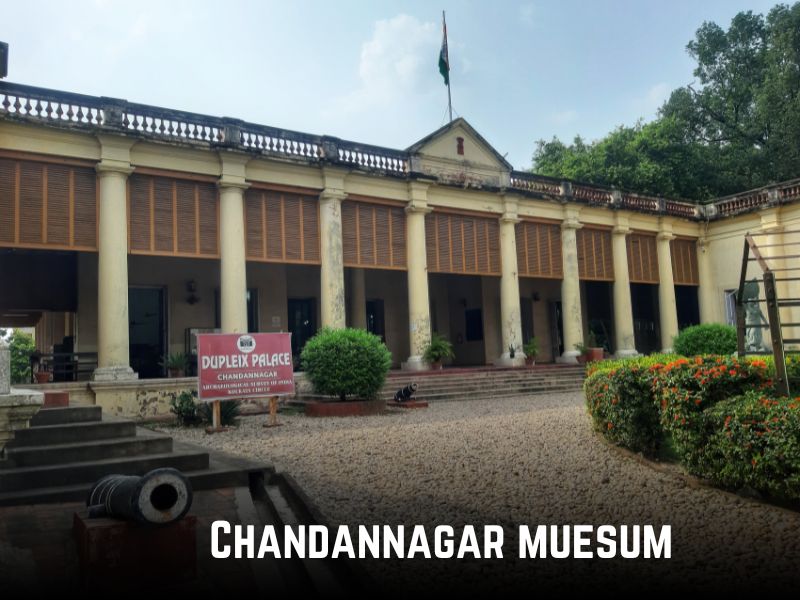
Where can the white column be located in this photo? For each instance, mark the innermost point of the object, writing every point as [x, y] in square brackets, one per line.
[510, 314]
[572, 319]
[113, 361]
[623, 311]
[233, 261]
[667, 307]
[331, 264]
[708, 297]
[358, 300]
[419, 312]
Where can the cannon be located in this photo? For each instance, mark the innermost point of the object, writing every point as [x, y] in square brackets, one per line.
[405, 393]
[160, 497]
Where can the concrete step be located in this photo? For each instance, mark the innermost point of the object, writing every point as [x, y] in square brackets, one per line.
[18, 479]
[481, 387]
[64, 416]
[92, 450]
[68, 433]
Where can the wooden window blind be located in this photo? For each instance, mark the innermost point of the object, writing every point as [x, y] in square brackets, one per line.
[169, 216]
[281, 227]
[45, 205]
[595, 261]
[462, 244]
[684, 261]
[642, 258]
[539, 250]
[373, 235]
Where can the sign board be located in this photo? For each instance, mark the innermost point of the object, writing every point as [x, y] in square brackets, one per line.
[244, 365]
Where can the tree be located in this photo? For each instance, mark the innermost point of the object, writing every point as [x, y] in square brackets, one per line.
[736, 127]
[21, 346]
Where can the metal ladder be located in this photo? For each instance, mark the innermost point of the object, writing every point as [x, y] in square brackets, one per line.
[772, 274]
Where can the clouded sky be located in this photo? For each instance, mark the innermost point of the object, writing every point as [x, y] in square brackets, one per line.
[367, 70]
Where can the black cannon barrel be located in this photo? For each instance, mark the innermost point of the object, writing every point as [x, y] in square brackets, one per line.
[160, 497]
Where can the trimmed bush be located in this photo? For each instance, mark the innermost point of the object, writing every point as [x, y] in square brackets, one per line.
[685, 388]
[710, 338]
[755, 443]
[622, 408]
[644, 362]
[346, 362]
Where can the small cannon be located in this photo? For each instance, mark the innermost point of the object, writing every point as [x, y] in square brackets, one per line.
[160, 497]
[404, 394]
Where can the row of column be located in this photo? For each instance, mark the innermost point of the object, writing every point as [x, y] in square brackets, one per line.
[113, 353]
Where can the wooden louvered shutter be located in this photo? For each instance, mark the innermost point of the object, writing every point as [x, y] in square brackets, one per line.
[58, 206]
[185, 211]
[684, 261]
[139, 199]
[462, 244]
[31, 202]
[595, 261]
[8, 193]
[642, 258]
[539, 250]
[84, 208]
[281, 227]
[373, 235]
[208, 212]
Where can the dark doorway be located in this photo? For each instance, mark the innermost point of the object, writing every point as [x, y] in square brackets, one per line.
[644, 298]
[302, 324]
[147, 331]
[599, 313]
[526, 308]
[375, 319]
[688, 306]
[556, 329]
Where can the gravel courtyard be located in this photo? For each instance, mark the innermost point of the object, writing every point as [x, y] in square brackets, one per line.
[527, 460]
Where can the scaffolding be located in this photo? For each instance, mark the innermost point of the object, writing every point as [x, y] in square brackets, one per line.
[779, 263]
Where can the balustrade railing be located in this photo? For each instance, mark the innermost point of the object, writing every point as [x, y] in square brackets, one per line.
[50, 105]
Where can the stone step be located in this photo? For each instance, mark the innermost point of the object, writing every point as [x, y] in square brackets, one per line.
[92, 450]
[479, 386]
[67, 433]
[28, 478]
[522, 373]
[63, 416]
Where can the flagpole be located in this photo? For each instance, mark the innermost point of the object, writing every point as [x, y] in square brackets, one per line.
[447, 50]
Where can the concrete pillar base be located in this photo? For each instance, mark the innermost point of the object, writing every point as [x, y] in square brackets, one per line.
[570, 357]
[415, 363]
[630, 353]
[507, 361]
[667, 351]
[118, 373]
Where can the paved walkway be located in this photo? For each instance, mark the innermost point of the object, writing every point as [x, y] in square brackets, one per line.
[519, 461]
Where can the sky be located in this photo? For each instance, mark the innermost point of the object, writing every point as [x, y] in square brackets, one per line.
[367, 70]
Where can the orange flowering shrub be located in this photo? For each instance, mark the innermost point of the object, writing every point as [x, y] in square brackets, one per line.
[621, 404]
[754, 443]
[686, 387]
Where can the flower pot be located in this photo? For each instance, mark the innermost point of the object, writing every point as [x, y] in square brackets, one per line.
[174, 373]
[581, 358]
[593, 354]
[530, 361]
[436, 365]
[42, 377]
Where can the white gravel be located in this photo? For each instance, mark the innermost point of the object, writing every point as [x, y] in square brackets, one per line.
[526, 460]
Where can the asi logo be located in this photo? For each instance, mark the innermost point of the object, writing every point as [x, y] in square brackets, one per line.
[246, 343]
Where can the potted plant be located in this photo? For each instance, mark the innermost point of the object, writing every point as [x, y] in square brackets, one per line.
[583, 351]
[175, 364]
[593, 352]
[531, 349]
[438, 350]
[42, 374]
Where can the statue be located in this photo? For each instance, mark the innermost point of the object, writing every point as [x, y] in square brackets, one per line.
[753, 319]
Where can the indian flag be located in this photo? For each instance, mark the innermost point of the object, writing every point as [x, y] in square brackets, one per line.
[444, 59]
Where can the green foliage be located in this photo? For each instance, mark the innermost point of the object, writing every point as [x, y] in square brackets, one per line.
[621, 404]
[754, 442]
[177, 360]
[709, 338]
[21, 346]
[686, 387]
[185, 409]
[737, 130]
[346, 362]
[438, 350]
[531, 347]
[643, 362]
[228, 412]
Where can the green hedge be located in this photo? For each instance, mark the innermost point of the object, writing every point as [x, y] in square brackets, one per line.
[718, 412]
[709, 338]
[755, 443]
[346, 362]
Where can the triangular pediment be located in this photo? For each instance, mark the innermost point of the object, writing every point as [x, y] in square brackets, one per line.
[457, 153]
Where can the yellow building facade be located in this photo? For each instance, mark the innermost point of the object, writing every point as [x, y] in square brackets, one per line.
[127, 228]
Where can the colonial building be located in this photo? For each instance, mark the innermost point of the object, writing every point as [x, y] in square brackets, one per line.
[125, 228]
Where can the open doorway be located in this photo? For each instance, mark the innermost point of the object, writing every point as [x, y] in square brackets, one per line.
[147, 330]
[302, 314]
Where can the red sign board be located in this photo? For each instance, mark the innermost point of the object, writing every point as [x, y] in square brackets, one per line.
[244, 365]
